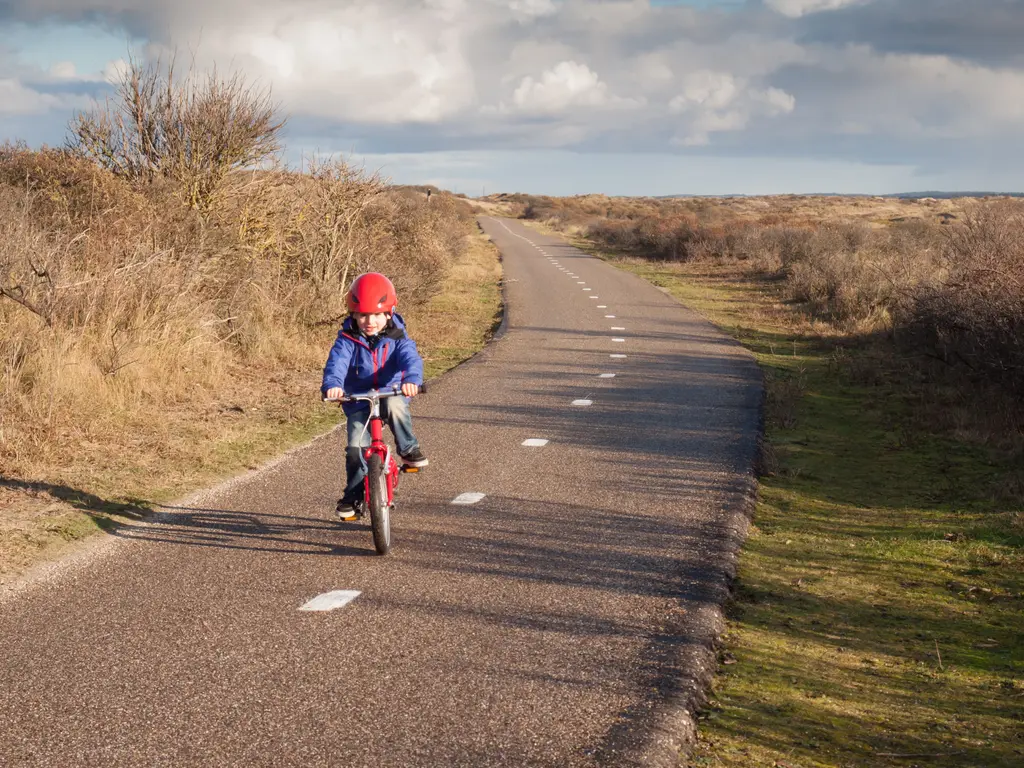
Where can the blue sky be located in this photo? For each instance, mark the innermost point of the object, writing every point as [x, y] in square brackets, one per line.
[88, 46]
[573, 96]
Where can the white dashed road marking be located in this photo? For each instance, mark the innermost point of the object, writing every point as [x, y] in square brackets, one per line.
[618, 357]
[610, 317]
[535, 442]
[618, 328]
[606, 375]
[582, 402]
[328, 601]
[470, 497]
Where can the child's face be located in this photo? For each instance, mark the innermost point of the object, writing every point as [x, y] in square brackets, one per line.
[369, 324]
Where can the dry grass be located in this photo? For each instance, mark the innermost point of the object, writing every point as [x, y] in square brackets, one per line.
[86, 476]
[149, 345]
[583, 211]
[458, 320]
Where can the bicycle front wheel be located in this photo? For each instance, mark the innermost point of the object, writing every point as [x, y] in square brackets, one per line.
[380, 512]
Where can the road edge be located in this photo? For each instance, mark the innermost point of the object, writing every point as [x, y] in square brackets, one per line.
[671, 734]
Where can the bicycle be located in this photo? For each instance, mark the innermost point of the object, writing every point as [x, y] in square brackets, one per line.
[382, 470]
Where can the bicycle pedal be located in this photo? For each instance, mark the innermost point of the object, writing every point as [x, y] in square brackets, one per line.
[407, 468]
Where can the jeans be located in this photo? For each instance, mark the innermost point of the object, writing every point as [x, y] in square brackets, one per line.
[395, 411]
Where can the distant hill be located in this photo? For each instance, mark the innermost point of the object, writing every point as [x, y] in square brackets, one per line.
[950, 195]
[899, 195]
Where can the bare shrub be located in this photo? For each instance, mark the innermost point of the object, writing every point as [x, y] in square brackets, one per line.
[538, 208]
[65, 190]
[784, 391]
[28, 263]
[776, 244]
[414, 243]
[326, 225]
[194, 131]
[972, 315]
[853, 275]
[846, 273]
[619, 235]
[334, 203]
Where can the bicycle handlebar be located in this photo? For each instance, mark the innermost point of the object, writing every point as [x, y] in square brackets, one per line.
[373, 394]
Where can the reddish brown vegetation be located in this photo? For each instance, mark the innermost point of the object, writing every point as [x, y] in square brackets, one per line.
[945, 277]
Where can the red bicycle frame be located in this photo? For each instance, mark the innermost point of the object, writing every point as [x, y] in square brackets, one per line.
[379, 448]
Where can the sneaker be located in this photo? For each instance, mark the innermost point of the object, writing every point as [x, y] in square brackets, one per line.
[415, 458]
[348, 509]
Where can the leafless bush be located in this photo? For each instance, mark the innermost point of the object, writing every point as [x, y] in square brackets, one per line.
[849, 273]
[415, 243]
[334, 203]
[328, 224]
[28, 264]
[195, 131]
[972, 315]
[853, 275]
[784, 390]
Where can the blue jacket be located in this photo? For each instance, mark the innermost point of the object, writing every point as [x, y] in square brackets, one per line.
[356, 364]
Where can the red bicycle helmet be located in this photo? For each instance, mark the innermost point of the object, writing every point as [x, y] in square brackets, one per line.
[371, 293]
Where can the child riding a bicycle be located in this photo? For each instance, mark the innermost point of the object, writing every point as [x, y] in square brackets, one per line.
[372, 351]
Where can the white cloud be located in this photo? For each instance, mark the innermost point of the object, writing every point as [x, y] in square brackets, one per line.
[797, 8]
[569, 84]
[533, 8]
[913, 95]
[713, 102]
[114, 70]
[64, 70]
[713, 90]
[774, 101]
[17, 98]
[360, 62]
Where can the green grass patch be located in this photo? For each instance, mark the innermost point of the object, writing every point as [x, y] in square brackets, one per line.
[879, 609]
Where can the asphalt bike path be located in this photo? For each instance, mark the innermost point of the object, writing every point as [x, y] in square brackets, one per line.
[562, 617]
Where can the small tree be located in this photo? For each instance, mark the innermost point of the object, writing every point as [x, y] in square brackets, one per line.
[194, 131]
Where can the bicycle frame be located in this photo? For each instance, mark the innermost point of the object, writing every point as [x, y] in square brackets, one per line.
[378, 447]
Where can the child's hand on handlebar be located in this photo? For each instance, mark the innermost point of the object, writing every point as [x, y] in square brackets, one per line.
[410, 390]
[335, 393]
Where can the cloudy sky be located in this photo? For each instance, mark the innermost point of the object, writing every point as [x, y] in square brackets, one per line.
[570, 96]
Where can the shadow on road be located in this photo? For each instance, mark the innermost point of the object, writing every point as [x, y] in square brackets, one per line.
[142, 520]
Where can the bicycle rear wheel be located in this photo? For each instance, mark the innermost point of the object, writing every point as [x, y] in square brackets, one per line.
[380, 512]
